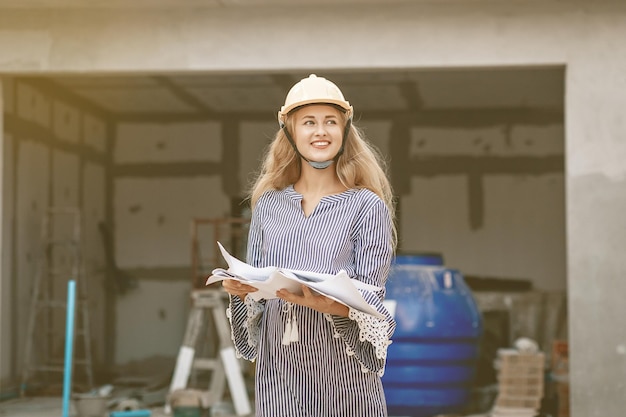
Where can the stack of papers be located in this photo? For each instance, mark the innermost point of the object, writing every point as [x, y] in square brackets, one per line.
[268, 280]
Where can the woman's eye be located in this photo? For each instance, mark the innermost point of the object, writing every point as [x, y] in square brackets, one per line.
[308, 122]
[331, 122]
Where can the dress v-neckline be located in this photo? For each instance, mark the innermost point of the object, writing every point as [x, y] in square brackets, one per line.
[327, 198]
[313, 208]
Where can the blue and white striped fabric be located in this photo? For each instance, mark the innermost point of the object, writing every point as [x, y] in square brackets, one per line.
[330, 371]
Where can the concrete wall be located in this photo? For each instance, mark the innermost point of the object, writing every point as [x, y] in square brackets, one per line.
[153, 210]
[585, 38]
[488, 207]
[50, 160]
[6, 353]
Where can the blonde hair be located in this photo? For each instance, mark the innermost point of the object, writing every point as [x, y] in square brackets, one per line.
[360, 166]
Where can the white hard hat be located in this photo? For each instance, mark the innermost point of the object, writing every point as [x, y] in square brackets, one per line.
[313, 90]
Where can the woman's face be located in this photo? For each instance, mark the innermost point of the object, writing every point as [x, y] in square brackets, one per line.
[318, 131]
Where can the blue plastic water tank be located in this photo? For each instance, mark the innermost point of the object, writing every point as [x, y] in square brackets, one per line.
[432, 361]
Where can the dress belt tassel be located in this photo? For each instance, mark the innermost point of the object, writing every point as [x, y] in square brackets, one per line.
[291, 333]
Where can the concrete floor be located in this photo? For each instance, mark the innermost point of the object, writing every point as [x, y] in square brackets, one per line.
[48, 407]
[53, 407]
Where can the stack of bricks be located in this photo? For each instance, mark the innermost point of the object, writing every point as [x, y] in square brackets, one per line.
[520, 383]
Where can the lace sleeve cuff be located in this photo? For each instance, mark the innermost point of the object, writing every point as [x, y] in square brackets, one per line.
[372, 330]
[254, 309]
[244, 317]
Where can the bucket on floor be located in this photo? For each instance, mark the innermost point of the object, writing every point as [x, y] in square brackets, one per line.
[187, 411]
[186, 403]
[432, 361]
[90, 405]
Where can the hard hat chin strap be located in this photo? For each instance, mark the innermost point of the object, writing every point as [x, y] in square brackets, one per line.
[319, 165]
[323, 164]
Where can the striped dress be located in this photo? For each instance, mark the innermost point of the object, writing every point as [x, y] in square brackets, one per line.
[334, 367]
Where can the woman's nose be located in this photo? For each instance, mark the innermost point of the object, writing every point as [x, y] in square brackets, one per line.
[321, 129]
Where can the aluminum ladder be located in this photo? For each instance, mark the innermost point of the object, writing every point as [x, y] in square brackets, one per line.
[209, 310]
[58, 261]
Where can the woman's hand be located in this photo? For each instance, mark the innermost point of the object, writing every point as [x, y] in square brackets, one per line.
[234, 287]
[315, 301]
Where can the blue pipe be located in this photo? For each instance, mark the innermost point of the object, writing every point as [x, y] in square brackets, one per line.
[69, 344]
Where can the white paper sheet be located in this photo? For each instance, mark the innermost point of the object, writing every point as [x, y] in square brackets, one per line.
[339, 287]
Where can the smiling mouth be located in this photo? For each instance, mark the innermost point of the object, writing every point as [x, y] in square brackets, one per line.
[320, 143]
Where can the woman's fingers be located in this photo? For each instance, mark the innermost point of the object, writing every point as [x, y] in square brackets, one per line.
[304, 299]
[306, 291]
[246, 287]
[235, 287]
[287, 296]
[310, 298]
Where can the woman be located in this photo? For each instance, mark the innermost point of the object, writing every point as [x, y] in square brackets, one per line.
[321, 203]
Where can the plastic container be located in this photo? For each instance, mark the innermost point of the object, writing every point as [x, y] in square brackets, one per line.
[431, 363]
[420, 258]
[131, 413]
[90, 405]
